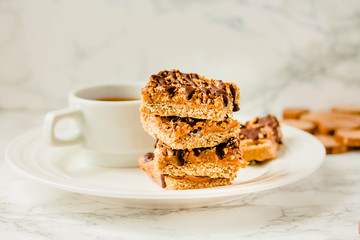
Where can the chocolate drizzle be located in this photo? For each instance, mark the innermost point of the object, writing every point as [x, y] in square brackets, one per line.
[196, 152]
[252, 133]
[173, 80]
[236, 107]
[204, 90]
[189, 92]
[220, 91]
[257, 127]
[233, 93]
[194, 75]
[220, 150]
[170, 89]
[272, 122]
[149, 157]
[156, 142]
[187, 79]
[191, 121]
[179, 153]
[221, 147]
[172, 74]
[163, 183]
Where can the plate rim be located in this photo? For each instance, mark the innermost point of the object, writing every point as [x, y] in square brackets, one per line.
[167, 195]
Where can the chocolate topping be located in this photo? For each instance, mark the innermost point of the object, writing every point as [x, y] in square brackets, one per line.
[149, 157]
[187, 78]
[189, 92]
[163, 183]
[269, 120]
[220, 91]
[277, 136]
[173, 74]
[252, 133]
[180, 156]
[272, 122]
[226, 101]
[180, 153]
[233, 92]
[173, 80]
[156, 142]
[170, 89]
[204, 90]
[236, 108]
[191, 121]
[194, 75]
[196, 152]
[220, 148]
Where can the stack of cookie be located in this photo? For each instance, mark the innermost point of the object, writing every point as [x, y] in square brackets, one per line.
[338, 129]
[197, 143]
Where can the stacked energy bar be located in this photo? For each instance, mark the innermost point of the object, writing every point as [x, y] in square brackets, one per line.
[197, 142]
[260, 139]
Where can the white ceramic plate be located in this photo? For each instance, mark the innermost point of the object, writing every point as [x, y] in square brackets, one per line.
[65, 168]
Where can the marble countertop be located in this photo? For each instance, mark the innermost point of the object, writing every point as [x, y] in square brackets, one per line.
[324, 205]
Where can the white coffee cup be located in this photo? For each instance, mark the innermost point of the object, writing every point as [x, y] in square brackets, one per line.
[110, 132]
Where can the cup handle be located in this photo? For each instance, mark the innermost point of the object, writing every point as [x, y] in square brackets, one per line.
[52, 118]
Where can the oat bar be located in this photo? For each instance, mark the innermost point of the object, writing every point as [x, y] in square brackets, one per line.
[188, 133]
[147, 162]
[260, 138]
[222, 161]
[173, 93]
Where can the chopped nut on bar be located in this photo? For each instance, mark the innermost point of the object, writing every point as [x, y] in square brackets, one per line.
[197, 143]
[260, 138]
[173, 93]
[188, 133]
[221, 161]
[179, 182]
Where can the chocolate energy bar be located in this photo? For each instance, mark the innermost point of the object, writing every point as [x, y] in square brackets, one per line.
[173, 93]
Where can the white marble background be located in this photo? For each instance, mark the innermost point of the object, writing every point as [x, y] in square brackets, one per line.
[280, 52]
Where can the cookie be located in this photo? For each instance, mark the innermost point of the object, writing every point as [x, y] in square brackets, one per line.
[301, 124]
[350, 138]
[347, 109]
[328, 122]
[294, 113]
[331, 145]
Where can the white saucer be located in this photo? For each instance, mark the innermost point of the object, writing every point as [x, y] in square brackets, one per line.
[65, 168]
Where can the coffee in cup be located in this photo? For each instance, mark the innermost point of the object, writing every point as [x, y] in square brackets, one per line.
[108, 119]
